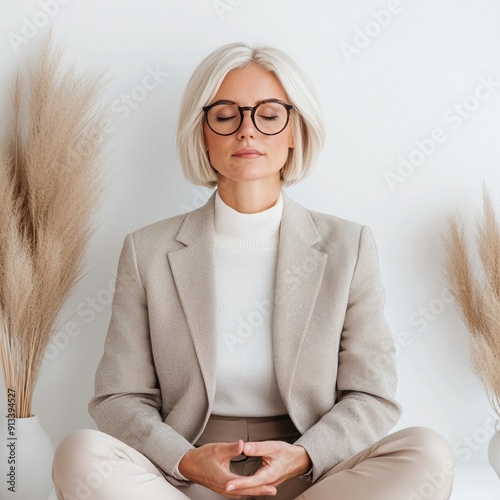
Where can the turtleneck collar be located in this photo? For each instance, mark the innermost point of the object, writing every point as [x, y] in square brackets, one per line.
[251, 231]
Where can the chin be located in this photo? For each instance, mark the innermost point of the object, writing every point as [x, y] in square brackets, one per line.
[250, 172]
[256, 175]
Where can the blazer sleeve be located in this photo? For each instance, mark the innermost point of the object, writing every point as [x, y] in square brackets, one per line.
[365, 409]
[127, 400]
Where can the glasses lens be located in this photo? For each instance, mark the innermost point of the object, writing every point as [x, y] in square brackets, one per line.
[224, 118]
[271, 117]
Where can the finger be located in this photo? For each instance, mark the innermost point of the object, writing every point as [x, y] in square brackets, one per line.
[262, 448]
[263, 477]
[265, 490]
[239, 495]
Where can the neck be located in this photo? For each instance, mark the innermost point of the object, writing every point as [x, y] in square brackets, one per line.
[249, 197]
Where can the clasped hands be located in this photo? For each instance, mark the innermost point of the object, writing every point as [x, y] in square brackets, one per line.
[209, 464]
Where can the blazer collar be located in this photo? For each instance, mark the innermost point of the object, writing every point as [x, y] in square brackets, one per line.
[299, 273]
[296, 219]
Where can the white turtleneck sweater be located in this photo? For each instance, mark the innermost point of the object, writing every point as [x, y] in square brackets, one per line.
[246, 250]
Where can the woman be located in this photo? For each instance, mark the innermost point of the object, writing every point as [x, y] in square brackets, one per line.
[247, 354]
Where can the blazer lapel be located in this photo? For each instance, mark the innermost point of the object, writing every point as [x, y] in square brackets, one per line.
[193, 269]
[299, 275]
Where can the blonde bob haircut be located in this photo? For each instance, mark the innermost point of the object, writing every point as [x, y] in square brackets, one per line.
[308, 128]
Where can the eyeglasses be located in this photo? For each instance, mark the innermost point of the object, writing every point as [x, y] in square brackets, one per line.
[270, 117]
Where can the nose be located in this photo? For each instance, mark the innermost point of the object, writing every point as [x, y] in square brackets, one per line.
[247, 128]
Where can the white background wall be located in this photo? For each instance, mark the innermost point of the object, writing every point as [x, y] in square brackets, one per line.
[380, 94]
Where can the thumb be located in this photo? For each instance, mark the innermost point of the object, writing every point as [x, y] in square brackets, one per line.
[233, 449]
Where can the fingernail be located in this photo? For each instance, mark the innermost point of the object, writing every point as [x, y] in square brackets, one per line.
[231, 487]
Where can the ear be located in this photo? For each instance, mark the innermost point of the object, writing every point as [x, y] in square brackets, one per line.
[291, 142]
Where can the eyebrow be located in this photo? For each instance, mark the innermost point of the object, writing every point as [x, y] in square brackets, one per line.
[228, 101]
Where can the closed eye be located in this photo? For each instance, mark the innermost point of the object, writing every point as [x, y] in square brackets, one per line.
[269, 118]
[222, 119]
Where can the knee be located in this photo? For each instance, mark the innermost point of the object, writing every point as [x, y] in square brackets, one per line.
[73, 451]
[429, 448]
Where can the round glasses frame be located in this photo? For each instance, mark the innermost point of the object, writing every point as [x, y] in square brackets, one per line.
[252, 110]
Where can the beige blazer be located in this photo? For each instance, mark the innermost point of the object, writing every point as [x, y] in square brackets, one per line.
[333, 351]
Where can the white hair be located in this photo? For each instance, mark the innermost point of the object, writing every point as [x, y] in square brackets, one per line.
[203, 86]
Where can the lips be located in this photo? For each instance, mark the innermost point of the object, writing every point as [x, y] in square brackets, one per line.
[247, 153]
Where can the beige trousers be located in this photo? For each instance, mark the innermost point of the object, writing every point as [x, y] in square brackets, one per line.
[411, 464]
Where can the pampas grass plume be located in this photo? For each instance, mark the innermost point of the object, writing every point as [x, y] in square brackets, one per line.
[478, 298]
[50, 184]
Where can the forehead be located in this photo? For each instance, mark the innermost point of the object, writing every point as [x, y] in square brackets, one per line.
[250, 84]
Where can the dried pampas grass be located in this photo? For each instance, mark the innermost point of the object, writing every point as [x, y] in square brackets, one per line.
[479, 299]
[49, 187]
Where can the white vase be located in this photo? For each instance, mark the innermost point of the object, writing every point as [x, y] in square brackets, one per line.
[26, 455]
[494, 449]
